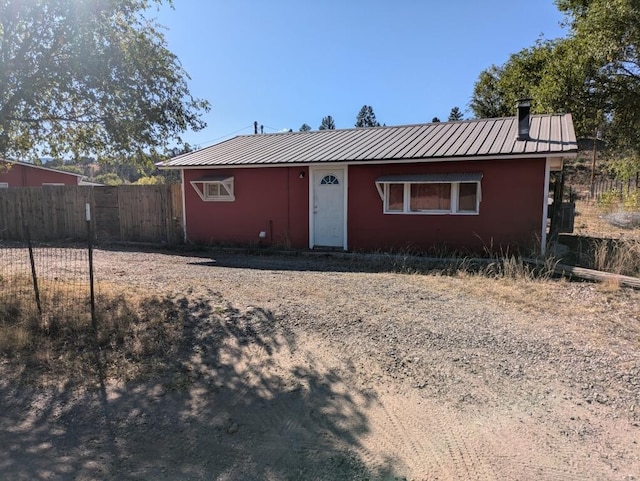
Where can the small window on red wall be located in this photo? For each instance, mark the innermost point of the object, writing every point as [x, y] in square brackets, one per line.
[215, 189]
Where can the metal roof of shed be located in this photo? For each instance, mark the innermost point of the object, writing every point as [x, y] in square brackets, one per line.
[550, 135]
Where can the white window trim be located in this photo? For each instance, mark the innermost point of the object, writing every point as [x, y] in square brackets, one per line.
[4, 185]
[226, 182]
[55, 184]
[383, 190]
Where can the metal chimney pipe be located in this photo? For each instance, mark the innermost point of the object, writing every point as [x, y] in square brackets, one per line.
[255, 127]
[524, 118]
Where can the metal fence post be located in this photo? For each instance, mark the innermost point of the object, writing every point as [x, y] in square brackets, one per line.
[94, 322]
[34, 277]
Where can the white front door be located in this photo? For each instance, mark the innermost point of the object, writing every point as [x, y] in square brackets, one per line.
[328, 208]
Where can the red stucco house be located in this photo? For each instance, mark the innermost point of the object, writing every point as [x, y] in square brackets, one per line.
[20, 174]
[465, 185]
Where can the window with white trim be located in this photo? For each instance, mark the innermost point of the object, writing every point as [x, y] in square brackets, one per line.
[215, 189]
[431, 194]
[4, 185]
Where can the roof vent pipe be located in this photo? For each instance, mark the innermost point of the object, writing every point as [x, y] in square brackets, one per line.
[524, 118]
[255, 128]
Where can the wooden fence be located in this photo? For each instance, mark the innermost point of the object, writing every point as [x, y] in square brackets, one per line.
[602, 185]
[131, 213]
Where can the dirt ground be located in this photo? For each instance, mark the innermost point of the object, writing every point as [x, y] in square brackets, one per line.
[315, 368]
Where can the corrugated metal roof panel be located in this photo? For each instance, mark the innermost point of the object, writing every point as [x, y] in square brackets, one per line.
[550, 134]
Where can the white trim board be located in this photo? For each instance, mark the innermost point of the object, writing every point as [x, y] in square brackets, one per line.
[330, 164]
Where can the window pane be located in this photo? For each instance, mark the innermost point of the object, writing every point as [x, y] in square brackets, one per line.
[329, 180]
[396, 197]
[468, 197]
[430, 197]
[213, 190]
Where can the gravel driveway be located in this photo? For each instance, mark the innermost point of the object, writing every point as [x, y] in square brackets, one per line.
[314, 367]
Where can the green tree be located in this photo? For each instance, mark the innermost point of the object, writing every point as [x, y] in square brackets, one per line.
[435, 120]
[455, 114]
[625, 167]
[110, 178]
[366, 117]
[607, 32]
[305, 128]
[85, 77]
[593, 73]
[488, 99]
[327, 123]
[74, 169]
[498, 88]
[557, 75]
[150, 180]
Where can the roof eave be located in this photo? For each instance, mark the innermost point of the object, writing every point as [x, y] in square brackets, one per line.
[537, 155]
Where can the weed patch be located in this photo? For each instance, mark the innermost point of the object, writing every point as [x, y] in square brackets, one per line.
[134, 334]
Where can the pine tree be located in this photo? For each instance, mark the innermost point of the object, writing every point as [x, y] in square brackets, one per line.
[327, 123]
[366, 117]
[455, 114]
[304, 128]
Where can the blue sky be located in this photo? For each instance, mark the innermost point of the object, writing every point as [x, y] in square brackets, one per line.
[284, 62]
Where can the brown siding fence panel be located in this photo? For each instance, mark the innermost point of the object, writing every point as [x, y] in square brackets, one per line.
[10, 214]
[33, 215]
[176, 221]
[106, 213]
[52, 212]
[149, 213]
[124, 213]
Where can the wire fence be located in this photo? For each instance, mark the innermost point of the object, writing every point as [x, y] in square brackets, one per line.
[44, 284]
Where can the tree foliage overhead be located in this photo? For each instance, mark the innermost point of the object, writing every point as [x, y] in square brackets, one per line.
[90, 77]
[608, 33]
[327, 123]
[593, 73]
[498, 88]
[366, 117]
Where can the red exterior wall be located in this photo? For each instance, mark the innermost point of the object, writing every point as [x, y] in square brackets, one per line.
[510, 209]
[25, 176]
[274, 200]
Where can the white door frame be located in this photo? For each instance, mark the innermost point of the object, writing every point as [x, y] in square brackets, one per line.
[345, 187]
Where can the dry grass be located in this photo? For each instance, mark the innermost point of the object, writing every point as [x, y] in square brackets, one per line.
[134, 333]
[590, 221]
[619, 256]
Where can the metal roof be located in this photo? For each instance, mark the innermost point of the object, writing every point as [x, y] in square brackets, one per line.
[550, 135]
[39, 167]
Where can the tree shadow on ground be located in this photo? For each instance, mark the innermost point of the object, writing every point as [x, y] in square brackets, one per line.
[406, 258]
[230, 401]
